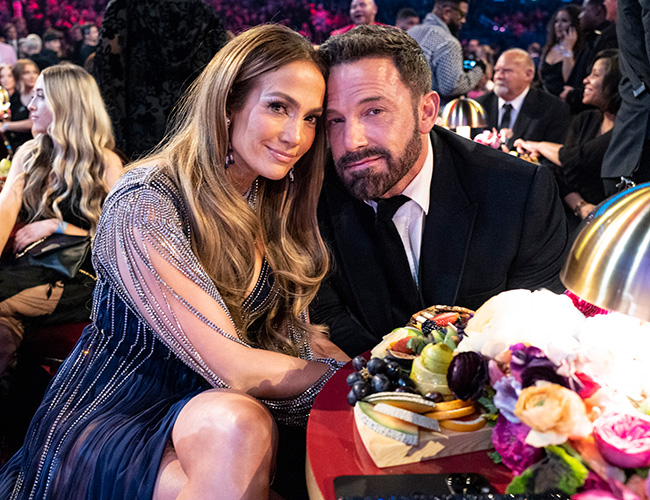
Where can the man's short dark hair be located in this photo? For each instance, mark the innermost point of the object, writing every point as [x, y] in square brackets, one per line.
[382, 42]
[405, 13]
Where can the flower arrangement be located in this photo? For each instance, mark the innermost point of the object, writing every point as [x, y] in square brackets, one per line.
[570, 388]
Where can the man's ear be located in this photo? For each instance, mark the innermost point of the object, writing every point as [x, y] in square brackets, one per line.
[428, 111]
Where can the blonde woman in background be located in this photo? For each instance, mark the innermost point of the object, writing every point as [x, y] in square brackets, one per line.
[57, 184]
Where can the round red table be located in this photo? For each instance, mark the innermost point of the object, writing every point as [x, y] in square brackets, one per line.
[334, 447]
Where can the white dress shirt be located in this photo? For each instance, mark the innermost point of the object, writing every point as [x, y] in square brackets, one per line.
[410, 217]
[516, 103]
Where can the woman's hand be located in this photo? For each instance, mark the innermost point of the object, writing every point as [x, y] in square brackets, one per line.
[33, 232]
[570, 38]
[531, 148]
[585, 210]
[325, 348]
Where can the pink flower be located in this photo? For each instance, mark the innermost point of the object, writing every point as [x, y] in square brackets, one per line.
[623, 439]
[489, 138]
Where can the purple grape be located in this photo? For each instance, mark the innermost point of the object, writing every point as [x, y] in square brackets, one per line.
[393, 370]
[380, 382]
[406, 388]
[353, 378]
[405, 381]
[434, 396]
[358, 363]
[376, 365]
[361, 390]
[352, 399]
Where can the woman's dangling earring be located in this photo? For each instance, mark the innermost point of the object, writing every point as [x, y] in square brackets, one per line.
[291, 176]
[229, 157]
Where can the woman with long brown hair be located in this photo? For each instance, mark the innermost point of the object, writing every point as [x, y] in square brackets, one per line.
[207, 254]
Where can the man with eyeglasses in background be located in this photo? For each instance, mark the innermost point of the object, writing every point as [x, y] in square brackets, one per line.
[451, 76]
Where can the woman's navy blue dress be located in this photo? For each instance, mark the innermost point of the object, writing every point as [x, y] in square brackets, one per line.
[106, 418]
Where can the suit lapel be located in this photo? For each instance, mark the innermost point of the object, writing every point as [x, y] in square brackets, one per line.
[447, 232]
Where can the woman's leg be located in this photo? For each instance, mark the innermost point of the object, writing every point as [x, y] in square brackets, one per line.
[224, 444]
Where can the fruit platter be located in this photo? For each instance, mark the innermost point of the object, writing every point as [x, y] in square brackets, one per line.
[558, 387]
[404, 408]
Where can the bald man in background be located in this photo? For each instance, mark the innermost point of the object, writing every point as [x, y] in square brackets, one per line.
[530, 113]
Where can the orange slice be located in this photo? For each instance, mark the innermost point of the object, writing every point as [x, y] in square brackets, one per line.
[469, 423]
[452, 405]
[451, 414]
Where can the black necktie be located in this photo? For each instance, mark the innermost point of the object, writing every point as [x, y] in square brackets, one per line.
[405, 297]
[505, 119]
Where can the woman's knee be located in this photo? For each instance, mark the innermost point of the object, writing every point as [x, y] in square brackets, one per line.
[222, 417]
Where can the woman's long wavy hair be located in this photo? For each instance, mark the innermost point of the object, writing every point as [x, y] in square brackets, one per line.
[67, 162]
[225, 229]
[551, 37]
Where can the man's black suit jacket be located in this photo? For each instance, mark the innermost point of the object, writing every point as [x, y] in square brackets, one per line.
[543, 117]
[494, 223]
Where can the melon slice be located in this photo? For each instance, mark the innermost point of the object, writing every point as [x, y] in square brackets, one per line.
[386, 425]
[406, 401]
[408, 416]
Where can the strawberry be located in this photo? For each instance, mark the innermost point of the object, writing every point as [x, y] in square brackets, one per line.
[446, 318]
[400, 346]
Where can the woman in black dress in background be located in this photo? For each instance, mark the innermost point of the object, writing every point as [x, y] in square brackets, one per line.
[563, 44]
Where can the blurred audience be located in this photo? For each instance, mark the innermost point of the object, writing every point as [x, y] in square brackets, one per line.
[18, 128]
[516, 110]
[580, 158]
[361, 12]
[406, 18]
[600, 34]
[50, 54]
[90, 40]
[30, 45]
[564, 44]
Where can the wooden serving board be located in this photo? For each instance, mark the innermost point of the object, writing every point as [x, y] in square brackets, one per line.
[387, 452]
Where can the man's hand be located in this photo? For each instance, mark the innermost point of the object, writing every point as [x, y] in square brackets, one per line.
[33, 232]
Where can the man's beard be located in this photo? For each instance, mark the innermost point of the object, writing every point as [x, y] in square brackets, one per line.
[368, 185]
[454, 28]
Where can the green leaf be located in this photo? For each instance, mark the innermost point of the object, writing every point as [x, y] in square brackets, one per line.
[416, 344]
[495, 456]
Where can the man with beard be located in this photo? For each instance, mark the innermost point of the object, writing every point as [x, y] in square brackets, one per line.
[527, 113]
[415, 214]
[437, 37]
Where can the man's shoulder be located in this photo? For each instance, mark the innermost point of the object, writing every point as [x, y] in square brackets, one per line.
[545, 99]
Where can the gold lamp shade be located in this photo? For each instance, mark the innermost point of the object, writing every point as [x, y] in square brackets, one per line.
[463, 112]
[609, 263]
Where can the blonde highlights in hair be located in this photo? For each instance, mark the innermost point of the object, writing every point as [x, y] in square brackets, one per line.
[226, 231]
[67, 163]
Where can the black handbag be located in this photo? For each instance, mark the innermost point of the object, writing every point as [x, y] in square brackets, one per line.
[63, 253]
